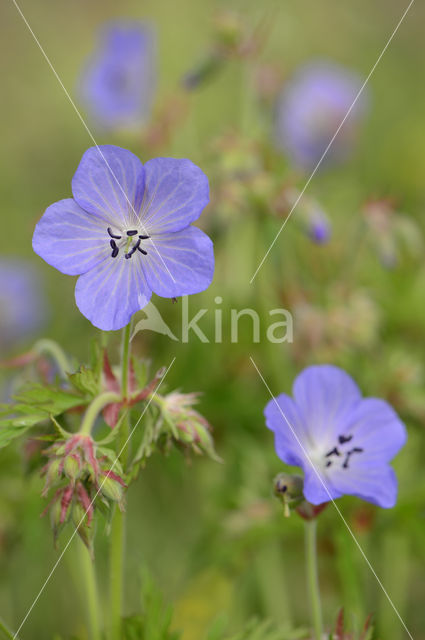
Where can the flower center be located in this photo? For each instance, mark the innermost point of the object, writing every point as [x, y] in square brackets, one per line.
[130, 242]
[341, 453]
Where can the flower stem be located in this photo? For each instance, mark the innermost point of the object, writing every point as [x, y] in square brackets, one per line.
[56, 353]
[116, 581]
[6, 631]
[93, 410]
[313, 577]
[91, 594]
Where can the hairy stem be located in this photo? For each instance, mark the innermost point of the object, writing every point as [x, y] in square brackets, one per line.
[52, 349]
[93, 410]
[313, 577]
[5, 631]
[91, 593]
[116, 577]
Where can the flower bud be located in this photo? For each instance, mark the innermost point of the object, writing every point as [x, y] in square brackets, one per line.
[112, 487]
[288, 488]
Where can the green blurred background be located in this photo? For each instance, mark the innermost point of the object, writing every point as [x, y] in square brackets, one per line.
[212, 535]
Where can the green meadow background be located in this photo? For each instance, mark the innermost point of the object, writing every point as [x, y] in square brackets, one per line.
[211, 535]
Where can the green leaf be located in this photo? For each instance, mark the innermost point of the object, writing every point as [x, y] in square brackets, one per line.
[85, 380]
[52, 400]
[35, 403]
[11, 428]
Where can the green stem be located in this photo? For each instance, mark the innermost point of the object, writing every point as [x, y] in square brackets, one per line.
[6, 631]
[93, 410]
[91, 594]
[116, 571]
[125, 359]
[313, 577]
[116, 581]
[55, 352]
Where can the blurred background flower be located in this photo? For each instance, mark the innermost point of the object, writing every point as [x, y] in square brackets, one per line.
[117, 85]
[22, 304]
[310, 109]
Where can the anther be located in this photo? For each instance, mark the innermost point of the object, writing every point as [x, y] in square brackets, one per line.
[112, 235]
[344, 439]
[133, 232]
[145, 253]
[349, 454]
[114, 248]
[332, 452]
[144, 237]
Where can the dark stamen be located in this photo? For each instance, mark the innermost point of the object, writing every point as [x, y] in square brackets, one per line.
[344, 439]
[333, 452]
[144, 237]
[114, 248]
[112, 235]
[132, 233]
[329, 462]
[349, 454]
[145, 253]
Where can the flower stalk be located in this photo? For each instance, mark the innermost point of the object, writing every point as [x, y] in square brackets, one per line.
[92, 600]
[116, 559]
[313, 577]
[93, 410]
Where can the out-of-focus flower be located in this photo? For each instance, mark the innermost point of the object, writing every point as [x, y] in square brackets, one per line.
[189, 427]
[118, 83]
[127, 232]
[350, 440]
[391, 231]
[22, 304]
[309, 214]
[310, 109]
[348, 320]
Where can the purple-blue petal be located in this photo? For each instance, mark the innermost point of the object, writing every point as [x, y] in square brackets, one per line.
[376, 428]
[373, 483]
[318, 488]
[111, 292]
[70, 239]
[176, 192]
[109, 183]
[324, 394]
[283, 418]
[179, 263]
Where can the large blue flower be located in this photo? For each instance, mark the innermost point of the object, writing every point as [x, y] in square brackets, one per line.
[127, 233]
[350, 440]
[311, 108]
[118, 83]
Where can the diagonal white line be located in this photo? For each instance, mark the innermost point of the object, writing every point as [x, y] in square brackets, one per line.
[91, 503]
[83, 122]
[332, 141]
[332, 500]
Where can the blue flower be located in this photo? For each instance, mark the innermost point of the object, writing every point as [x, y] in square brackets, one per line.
[118, 83]
[127, 233]
[22, 304]
[350, 440]
[311, 108]
[319, 227]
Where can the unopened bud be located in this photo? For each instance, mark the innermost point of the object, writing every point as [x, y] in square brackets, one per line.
[71, 467]
[112, 488]
[289, 489]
